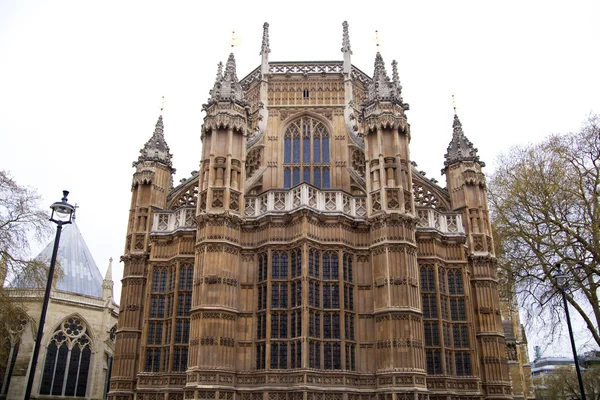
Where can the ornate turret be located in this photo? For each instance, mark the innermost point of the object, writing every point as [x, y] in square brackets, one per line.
[156, 149]
[467, 190]
[227, 87]
[460, 148]
[387, 136]
[152, 180]
[224, 142]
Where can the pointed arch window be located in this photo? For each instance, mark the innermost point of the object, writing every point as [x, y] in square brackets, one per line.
[306, 155]
[67, 363]
[11, 342]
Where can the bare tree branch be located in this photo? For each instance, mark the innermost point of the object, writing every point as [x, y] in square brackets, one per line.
[545, 207]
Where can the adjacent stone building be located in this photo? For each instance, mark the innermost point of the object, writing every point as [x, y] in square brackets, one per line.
[308, 259]
[79, 334]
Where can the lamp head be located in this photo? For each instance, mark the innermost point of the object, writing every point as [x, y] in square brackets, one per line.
[560, 277]
[62, 211]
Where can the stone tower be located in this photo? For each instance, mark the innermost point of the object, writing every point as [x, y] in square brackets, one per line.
[151, 182]
[467, 190]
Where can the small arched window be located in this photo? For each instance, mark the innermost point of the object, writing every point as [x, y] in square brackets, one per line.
[67, 364]
[306, 153]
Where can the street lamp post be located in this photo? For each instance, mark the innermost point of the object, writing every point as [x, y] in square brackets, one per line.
[561, 282]
[62, 213]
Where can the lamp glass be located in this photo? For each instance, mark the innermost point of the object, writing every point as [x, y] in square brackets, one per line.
[62, 210]
[561, 280]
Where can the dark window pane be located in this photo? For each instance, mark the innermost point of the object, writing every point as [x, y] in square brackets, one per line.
[296, 177]
[325, 149]
[306, 175]
[317, 154]
[296, 150]
[287, 179]
[326, 180]
[306, 150]
[317, 173]
[48, 368]
[83, 371]
[59, 374]
[287, 151]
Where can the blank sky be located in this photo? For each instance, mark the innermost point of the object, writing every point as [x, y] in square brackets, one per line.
[81, 81]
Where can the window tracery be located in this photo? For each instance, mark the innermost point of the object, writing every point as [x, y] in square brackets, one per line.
[426, 198]
[253, 160]
[358, 162]
[170, 304]
[448, 325]
[11, 345]
[67, 362]
[188, 198]
[330, 303]
[306, 155]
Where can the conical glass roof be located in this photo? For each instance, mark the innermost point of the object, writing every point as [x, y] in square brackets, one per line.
[80, 274]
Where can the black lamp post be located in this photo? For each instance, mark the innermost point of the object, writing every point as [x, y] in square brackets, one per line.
[561, 283]
[62, 213]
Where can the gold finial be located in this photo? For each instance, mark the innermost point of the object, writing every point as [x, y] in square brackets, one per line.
[235, 41]
[162, 105]
[454, 104]
[377, 39]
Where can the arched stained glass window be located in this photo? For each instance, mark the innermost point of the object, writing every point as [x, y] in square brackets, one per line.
[67, 362]
[306, 153]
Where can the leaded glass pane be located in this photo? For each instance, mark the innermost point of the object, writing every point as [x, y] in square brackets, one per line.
[325, 149]
[296, 150]
[287, 178]
[317, 176]
[306, 150]
[296, 177]
[287, 150]
[317, 154]
[306, 175]
[326, 180]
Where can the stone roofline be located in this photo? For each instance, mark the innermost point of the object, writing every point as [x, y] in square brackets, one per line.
[60, 295]
[305, 67]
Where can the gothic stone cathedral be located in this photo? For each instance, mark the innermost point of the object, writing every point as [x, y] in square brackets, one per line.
[307, 259]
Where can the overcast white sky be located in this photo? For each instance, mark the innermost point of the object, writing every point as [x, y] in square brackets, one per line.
[81, 81]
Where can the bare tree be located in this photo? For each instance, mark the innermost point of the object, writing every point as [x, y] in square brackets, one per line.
[545, 203]
[21, 221]
[562, 384]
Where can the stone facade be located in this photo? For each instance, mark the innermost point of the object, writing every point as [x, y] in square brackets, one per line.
[307, 258]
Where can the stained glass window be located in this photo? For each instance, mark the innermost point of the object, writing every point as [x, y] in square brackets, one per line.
[67, 362]
[306, 148]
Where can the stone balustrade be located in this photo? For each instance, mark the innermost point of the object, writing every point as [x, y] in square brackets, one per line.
[305, 196]
[169, 221]
[326, 201]
[447, 222]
